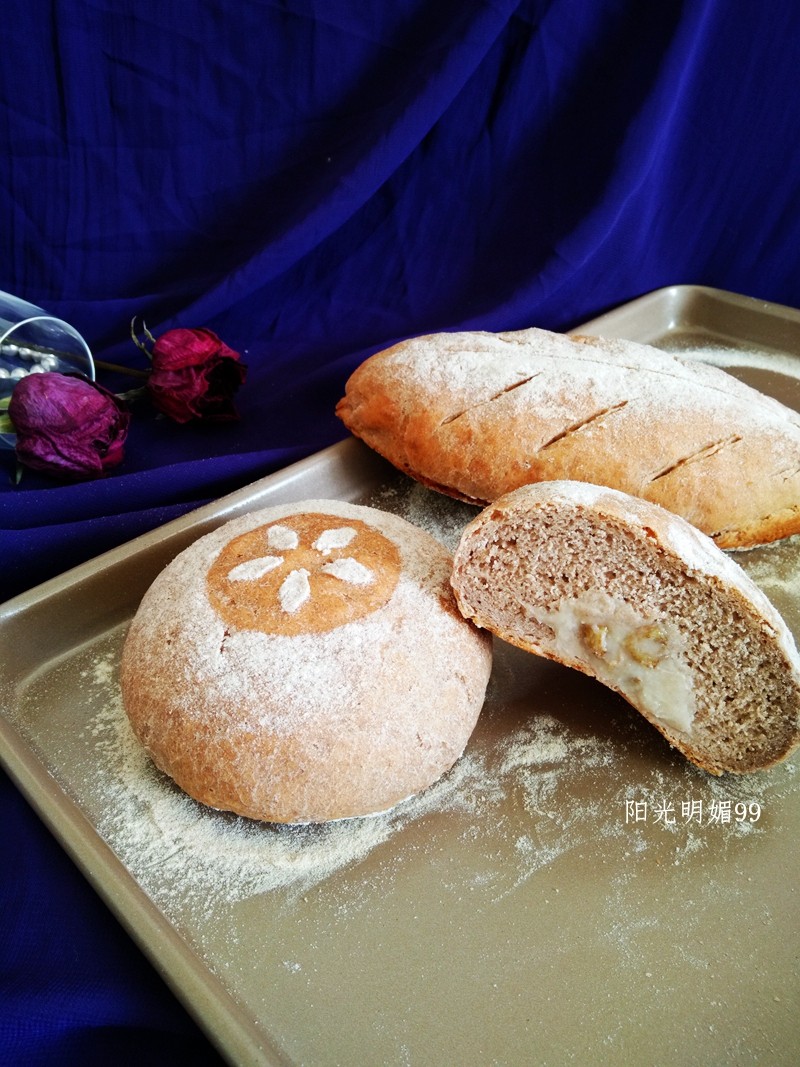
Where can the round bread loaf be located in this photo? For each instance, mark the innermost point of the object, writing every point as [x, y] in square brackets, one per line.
[304, 663]
[623, 590]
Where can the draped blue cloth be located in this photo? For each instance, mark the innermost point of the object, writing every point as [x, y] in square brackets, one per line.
[313, 180]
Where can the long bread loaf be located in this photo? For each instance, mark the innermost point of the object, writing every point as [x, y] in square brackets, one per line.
[475, 415]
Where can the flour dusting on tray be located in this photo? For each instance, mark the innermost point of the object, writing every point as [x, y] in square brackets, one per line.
[167, 839]
[534, 784]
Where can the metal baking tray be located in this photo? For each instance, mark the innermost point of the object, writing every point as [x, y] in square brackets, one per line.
[573, 891]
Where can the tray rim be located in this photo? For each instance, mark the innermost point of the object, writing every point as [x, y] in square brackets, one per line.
[677, 304]
[236, 1036]
[199, 518]
[672, 299]
[200, 992]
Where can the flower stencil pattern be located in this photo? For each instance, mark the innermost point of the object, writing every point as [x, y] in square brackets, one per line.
[307, 573]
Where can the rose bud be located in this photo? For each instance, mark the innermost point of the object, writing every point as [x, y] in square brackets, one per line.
[194, 376]
[67, 426]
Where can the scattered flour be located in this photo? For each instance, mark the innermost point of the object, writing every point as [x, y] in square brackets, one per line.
[521, 802]
[165, 838]
[731, 356]
[442, 517]
[541, 801]
[529, 790]
[162, 834]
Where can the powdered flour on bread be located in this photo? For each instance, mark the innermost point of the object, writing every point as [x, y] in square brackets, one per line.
[623, 590]
[475, 415]
[305, 663]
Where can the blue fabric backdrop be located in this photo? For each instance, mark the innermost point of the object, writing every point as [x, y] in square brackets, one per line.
[314, 179]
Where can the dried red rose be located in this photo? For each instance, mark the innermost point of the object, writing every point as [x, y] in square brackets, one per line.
[67, 426]
[194, 376]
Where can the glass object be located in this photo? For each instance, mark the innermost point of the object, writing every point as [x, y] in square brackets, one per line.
[31, 342]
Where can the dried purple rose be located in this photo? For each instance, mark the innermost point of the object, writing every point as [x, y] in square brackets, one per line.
[67, 426]
[194, 376]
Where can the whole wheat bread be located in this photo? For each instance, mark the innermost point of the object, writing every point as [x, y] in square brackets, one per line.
[305, 662]
[633, 595]
[475, 415]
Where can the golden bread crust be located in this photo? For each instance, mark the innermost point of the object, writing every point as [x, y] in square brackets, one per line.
[476, 415]
[357, 688]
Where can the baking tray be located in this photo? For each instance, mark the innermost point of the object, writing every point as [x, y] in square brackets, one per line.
[573, 891]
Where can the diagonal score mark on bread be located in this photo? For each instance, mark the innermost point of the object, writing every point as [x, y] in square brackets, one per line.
[704, 453]
[679, 368]
[475, 415]
[616, 351]
[590, 420]
[489, 400]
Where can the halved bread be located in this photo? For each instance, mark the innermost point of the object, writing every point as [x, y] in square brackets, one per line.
[475, 415]
[633, 595]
